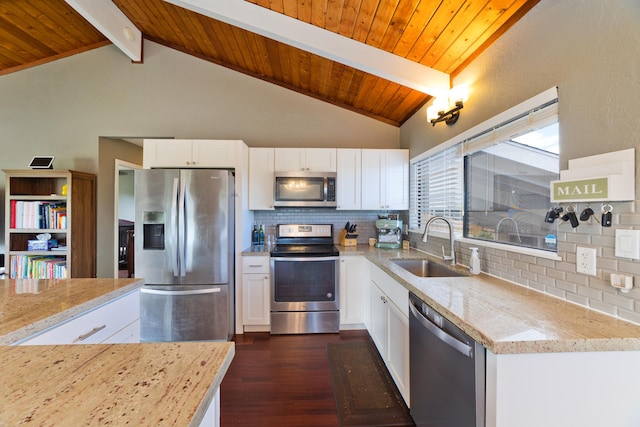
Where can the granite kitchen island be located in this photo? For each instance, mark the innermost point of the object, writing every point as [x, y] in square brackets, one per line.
[94, 384]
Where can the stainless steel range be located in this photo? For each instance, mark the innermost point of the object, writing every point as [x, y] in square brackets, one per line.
[304, 280]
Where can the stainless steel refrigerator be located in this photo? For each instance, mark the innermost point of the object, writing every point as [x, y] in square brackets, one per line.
[184, 250]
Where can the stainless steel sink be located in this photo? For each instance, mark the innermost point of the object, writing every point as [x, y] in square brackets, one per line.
[425, 268]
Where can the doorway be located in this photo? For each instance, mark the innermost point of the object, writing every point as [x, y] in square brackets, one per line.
[124, 215]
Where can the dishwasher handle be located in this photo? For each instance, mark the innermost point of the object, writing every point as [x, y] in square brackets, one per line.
[442, 335]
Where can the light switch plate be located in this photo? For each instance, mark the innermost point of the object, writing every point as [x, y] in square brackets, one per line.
[628, 244]
[586, 260]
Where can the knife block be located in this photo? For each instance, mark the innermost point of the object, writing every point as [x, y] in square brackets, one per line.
[347, 239]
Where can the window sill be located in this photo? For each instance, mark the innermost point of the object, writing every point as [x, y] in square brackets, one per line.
[510, 248]
[501, 246]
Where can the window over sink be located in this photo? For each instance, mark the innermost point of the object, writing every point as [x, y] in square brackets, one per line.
[492, 182]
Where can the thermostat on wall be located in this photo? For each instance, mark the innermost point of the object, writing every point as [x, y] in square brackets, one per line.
[42, 162]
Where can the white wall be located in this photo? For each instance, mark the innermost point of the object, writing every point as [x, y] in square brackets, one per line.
[62, 108]
[590, 50]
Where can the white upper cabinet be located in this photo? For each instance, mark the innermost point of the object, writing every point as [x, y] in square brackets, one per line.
[349, 178]
[189, 153]
[385, 179]
[305, 159]
[261, 178]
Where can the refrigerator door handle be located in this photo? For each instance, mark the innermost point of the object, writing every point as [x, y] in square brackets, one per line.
[182, 228]
[174, 219]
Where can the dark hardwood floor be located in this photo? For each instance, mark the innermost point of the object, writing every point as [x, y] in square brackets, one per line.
[281, 380]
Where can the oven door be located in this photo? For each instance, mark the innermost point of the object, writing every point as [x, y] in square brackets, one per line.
[304, 283]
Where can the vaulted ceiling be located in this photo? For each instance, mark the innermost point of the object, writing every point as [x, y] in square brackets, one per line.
[445, 35]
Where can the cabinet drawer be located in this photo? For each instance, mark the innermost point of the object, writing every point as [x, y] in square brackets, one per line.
[255, 264]
[95, 326]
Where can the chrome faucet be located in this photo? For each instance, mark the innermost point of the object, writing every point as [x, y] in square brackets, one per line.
[451, 257]
[515, 225]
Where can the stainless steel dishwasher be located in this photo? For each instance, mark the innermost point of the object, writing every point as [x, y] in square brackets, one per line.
[447, 371]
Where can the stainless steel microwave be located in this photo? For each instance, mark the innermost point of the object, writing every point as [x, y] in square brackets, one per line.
[305, 189]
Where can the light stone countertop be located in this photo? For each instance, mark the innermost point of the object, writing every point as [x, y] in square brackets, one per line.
[150, 384]
[260, 250]
[505, 317]
[508, 318]
[155, 384]
[28, 306]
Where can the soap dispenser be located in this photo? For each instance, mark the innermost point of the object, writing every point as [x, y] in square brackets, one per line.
[474, 263]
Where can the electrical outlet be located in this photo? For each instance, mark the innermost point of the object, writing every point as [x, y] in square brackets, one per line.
[586, 260]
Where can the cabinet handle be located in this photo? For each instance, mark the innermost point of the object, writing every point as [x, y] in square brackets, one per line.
[88, 334]
[255, 265]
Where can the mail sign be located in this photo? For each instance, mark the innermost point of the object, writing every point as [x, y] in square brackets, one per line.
[585, 189]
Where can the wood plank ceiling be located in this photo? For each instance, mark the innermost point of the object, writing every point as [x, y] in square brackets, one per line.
[442, 34]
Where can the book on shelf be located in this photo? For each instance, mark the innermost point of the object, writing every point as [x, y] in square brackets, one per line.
[38, 267]
[38, 215]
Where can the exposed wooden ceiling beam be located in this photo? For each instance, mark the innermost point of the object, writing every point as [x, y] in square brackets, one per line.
[110, 21]
[322, 42]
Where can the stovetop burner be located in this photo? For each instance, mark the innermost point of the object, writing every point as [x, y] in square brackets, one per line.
[308, 240]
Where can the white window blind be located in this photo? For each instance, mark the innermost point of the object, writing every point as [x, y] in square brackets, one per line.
[535, 119]
[437, 189]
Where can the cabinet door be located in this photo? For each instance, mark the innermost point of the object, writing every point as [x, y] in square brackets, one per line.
[378, 318]
[211, 153]
[289, 159]
[255, 295]
[256, 291]
[305, 159]
[261, 178]
[352, 290]
[396, 179]
[385, 179]
[159, 153]
[398, 355]
[320, 160]
[372, 179]
[349, 179]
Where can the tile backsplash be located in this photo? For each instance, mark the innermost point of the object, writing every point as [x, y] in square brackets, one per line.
[364, 219]
[559, 278]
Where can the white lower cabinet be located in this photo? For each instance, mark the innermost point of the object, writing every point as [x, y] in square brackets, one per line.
[388, 325]
[115, 322]
[351, 292]
[398, 349]
[256, 293]
[379, 318]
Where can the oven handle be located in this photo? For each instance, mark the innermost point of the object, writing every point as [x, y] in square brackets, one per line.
[310, 258]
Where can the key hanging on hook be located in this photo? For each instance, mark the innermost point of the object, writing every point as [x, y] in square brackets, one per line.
[606, 215]
[586, 214]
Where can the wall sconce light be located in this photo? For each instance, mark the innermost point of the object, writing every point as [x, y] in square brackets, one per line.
[448, 109]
